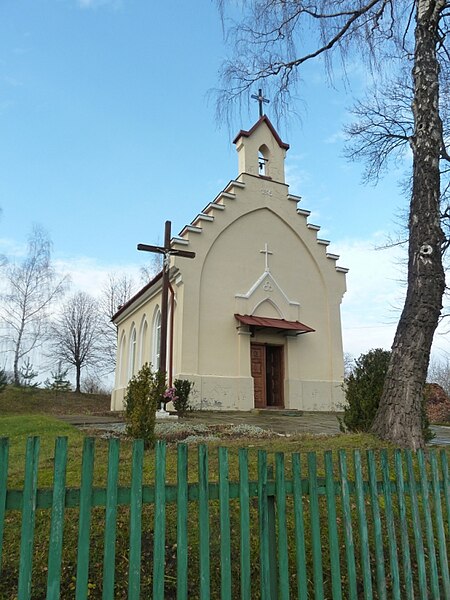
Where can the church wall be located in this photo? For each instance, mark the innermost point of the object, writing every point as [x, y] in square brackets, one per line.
[228, 260]
[144, 346]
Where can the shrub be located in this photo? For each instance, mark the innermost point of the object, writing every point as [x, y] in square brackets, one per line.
[363, 389]
[142, 399]
[92, 384]
[183, 388]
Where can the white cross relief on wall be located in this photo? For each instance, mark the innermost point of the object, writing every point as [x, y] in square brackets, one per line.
[267, 252]
[266, 287]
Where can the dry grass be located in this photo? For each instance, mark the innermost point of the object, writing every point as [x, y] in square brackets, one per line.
[36, 401]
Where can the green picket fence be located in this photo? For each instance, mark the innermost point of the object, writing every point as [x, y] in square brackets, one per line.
[227, 524]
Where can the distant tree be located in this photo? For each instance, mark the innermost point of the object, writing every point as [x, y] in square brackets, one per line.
[27, 375]
[32, 287]
[76, 335]
[349, 364]
[115, 293]
[93, 384]
[58, 382]
[3, 380]
[439, 372]
[149, 271]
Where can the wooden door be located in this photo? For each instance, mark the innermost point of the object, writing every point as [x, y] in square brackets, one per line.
[258, 368]
[274, 376]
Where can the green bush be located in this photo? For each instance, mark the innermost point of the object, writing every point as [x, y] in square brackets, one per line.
[183, 389]
[363, 389]
[142, 399]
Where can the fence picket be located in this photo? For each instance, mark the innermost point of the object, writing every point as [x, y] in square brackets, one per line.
[110, 520]
[300, 555]
[434, 581]
[4, 453]
[446, 485]
[362, 521]
[348, 531]
[244, 523]
[84, 523]
[333, 539]
[225, 542]
[57, 519]
[203, 507]
[389, 512]
[377, 531]
[440, 525]
[28, 518]
[159, 528]
[263, 518]
[283, 560]
[134, 568]
[406, 555]
[417, 527]
[182, 522]
[315, 526]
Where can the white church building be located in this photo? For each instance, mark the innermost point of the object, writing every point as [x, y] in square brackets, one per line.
[254, 319]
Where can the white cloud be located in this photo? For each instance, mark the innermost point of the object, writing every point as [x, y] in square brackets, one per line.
[338, 136]
[90, 276]
[87, 4]
[370, 308]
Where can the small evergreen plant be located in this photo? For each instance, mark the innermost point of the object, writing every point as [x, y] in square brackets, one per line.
[58, 383]
[363, 389]
[183, 389]
[3, 380]
[27, 375]
[142, 399]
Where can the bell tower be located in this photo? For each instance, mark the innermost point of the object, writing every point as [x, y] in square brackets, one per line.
[261, 152]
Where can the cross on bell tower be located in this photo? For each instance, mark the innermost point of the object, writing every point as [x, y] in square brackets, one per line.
[261, 101]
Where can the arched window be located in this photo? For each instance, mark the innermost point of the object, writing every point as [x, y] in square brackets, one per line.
[156, 339]
[120, 361]
[263, 160]
[143, 342]
[132, 353]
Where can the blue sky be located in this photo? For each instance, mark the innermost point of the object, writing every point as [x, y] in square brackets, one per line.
[107, 130]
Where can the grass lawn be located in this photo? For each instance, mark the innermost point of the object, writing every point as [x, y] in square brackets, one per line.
[28, 401]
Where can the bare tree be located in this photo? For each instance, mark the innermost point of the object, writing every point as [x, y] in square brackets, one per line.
[439, 372]
[116, 292]
[32, 287]
[275, 38]
[76, 335]
[151, 269]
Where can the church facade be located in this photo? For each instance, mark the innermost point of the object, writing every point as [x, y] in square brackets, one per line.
[254, 319]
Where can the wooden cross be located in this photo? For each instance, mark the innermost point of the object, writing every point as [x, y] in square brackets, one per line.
[167, 252]
[261, 101]
[266, 251]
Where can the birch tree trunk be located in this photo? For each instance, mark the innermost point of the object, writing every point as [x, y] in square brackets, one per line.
[399, 415]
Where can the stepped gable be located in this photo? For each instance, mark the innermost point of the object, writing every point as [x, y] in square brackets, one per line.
[215, 210]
